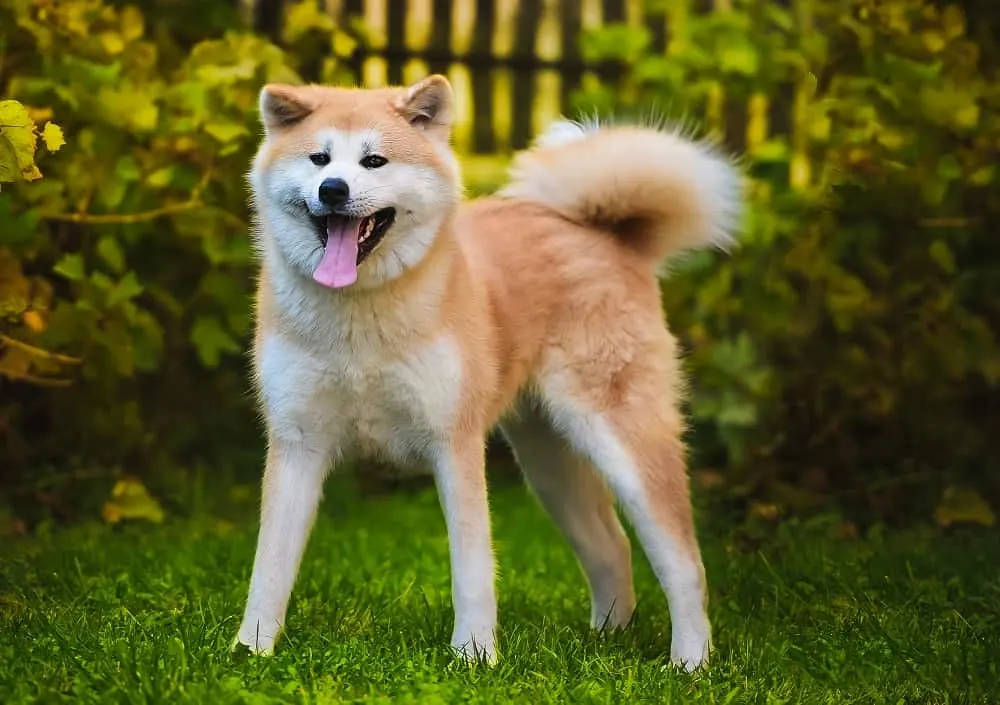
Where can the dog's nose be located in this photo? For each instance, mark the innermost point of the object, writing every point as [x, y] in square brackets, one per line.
[334, 192]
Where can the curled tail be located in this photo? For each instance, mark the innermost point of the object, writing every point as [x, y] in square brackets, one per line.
[656, 190]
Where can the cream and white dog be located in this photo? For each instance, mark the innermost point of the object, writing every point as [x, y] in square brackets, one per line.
[394, 320]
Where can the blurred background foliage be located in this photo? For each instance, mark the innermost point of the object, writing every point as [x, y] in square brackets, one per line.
[844, 356]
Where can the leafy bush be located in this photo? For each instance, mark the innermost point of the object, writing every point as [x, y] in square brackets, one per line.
[132, 253]
[848, 347]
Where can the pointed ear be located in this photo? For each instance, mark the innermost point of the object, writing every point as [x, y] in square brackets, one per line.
[283, 105]
[427, 105]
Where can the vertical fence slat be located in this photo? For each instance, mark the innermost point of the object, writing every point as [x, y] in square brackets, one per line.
[656, 22]
[396, 38]
[572, 27]
[526, 23]
[440, 39]
[614, 11]
[482, 87]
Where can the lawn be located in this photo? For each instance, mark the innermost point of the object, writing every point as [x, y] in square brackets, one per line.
[145, 613]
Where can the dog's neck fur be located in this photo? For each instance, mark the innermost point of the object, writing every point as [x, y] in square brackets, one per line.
[402, 309]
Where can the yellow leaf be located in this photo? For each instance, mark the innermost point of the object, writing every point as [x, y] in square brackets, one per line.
[161, 177]
[934, 41]
[52, 136]
[764, 510]
[953, 21]
[31, 173]
[112, 42]
[184, 144]
[34, 321]
[304, 17]
[131, 500]
[963, 504]
[17, 142]
[132, 23]
[967, 116]
[343, 44]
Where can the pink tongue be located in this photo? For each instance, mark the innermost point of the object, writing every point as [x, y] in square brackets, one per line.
[339, 266]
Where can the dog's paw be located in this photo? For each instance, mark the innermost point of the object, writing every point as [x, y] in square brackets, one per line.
[690, 651]
[241, 651]
[254, 640]
[475, 648]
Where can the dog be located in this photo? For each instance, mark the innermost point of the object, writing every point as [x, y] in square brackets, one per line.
[393, 320]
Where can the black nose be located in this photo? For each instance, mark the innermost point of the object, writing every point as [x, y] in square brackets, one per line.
[334, 192]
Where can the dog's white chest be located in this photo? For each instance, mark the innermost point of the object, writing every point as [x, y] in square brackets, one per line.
[365, 400]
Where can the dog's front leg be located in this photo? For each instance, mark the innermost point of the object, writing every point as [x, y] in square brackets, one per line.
[293, 485]
[461, 480]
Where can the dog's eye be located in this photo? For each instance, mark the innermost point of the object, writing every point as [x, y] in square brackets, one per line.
[320, 158]
[374, 161]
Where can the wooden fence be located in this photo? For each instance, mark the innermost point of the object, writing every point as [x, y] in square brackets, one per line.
[514, 63]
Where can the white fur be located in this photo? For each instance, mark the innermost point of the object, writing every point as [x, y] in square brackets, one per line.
[671, 161]
[419, 194]
[358, 398]
[680, 574]
[572, 492]
[561, 132]
[293, 488]
[461, 482]
[361, 400]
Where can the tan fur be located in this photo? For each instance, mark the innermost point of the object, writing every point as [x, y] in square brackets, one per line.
[549, 295]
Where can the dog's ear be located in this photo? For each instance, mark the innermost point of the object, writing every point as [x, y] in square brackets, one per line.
[283, 105]
[427, 105]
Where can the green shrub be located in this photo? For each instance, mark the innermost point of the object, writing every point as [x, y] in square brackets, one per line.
[848, 347]
[132, 253]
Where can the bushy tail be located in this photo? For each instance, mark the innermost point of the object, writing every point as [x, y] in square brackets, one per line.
[657, 190]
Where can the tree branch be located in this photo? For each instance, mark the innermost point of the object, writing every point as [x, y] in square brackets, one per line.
[38, 352]
[35, 379]
[122, 219]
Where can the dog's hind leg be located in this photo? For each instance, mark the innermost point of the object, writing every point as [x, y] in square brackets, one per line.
[635, 443]
[581, 506]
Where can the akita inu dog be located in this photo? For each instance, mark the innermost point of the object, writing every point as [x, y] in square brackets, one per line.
[392, 319]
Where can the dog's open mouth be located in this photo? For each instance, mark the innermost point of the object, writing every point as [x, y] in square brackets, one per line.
[347, 242]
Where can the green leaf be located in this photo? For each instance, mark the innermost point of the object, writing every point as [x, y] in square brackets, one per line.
[739, 58]
[71, 267]
[963, 504]
[941, 253]
[111, 253]
[948, 167]
[17, 143]
[211, 340]
[983, 176]
[131, 500]
[161, 177]
[226, 132]
[127, 288]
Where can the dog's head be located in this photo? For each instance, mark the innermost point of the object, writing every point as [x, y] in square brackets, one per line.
[351, 185]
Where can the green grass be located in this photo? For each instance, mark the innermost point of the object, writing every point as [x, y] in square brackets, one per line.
[145, 613]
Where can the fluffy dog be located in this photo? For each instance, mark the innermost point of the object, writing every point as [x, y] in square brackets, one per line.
[392, 319]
